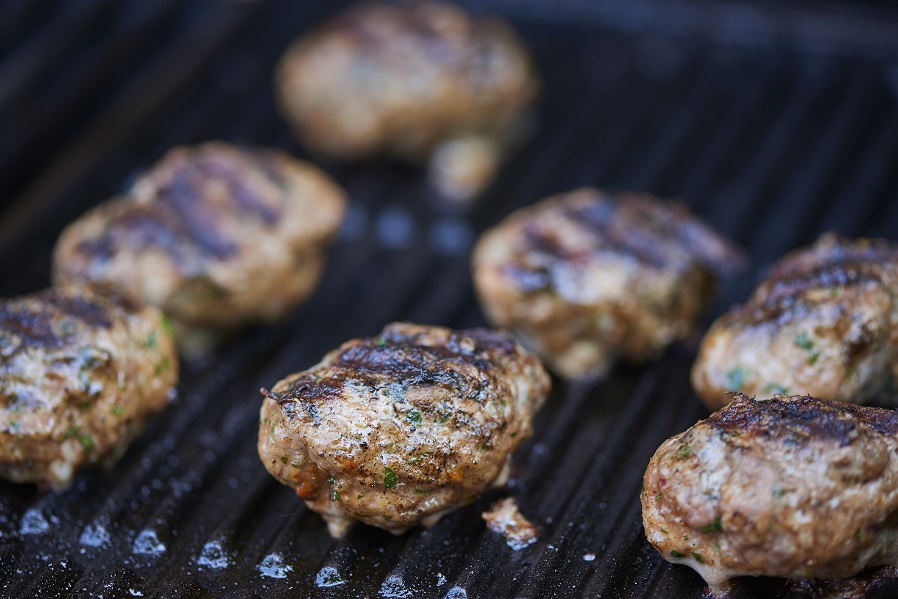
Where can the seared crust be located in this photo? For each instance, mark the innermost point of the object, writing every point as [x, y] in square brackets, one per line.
[794, 486]
[406, 79]
[586, 277]
[80, 372]
[823, 322]
[398, 429]
[217, 236]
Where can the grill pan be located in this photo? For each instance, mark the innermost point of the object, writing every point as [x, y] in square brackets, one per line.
[774, 121]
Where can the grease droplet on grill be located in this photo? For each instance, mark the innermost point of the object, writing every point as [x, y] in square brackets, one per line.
[328, 577]
[34, 523]
[214, 556]
[395, 228]
[147, 543]
[273, 566]
[394, 586]
[94, 535]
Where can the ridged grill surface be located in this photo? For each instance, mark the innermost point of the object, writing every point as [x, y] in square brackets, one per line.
[771, 138]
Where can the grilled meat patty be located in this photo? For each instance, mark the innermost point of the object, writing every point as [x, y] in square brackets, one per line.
[586, 277]
[217, 236]
[823, 322]
[399, 429]
[80, 372]
[794, 487]
[421, 80]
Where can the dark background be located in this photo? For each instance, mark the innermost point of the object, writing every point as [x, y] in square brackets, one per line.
[776, 121]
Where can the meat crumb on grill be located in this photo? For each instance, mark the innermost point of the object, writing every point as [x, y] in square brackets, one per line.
[504, 518]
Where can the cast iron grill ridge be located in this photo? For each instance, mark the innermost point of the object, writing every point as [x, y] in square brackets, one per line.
[772, 142]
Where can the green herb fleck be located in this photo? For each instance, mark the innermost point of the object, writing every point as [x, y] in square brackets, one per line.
[359, 496]
[284, 459]
[683, 451]
[84, 379]
[15, 424]
[698, 557]
[335, 495]
[857, 534]
[86, 441]
[390, 478]
[67, 327]
[603, 322]
[712, 527]
[736, 378]
[778, 491]
[663, 531]
[163, 365]
[420, 491]
[167, 326]
[803, 341]
[503, 403]
[381, 341]
[331, 481]
[675, 553]
[152, 340]
[413, 416]
[659, 496]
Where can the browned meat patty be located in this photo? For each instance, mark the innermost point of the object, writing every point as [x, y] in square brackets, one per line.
[80, 372]
[216, 236]
[823, 322]
[585, 277]
[399, 429]
[420, 80]
[794, 487]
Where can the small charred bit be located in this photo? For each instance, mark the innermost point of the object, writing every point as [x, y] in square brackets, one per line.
[792, 486]
[80, 371]
[399, 429]
[190, 233]
[422, 81]
[586, 278]
[823, 322]
[505, 519]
